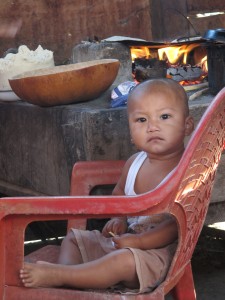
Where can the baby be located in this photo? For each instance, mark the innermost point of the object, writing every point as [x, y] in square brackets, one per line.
[140, 253]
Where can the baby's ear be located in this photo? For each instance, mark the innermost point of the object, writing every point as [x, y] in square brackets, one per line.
[189, 125]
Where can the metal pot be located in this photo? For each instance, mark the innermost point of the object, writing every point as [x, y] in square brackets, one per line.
[217, 35]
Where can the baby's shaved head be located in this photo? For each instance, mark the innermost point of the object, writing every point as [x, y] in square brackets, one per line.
[162, 85]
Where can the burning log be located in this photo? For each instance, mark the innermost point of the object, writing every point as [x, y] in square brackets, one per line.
[144, 69]
[185, 73]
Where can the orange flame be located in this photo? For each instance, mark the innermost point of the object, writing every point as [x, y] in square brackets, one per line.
[175, 54]
[204, 64]
[137, 52]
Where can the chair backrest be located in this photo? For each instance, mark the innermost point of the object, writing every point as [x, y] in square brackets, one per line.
[89, 174]
[198, 165]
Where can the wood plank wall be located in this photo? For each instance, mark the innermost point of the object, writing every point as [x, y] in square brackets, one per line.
[59, 25]
[178, 17]
[206, 6]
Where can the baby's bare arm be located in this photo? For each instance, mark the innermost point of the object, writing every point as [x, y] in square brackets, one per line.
[161, 236]
[118, 225]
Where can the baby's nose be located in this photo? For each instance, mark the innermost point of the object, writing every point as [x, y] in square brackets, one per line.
[152, 126]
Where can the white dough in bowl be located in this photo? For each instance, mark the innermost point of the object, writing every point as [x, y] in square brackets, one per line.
[25, 60]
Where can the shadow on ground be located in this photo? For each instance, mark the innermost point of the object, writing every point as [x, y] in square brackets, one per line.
[208, 265]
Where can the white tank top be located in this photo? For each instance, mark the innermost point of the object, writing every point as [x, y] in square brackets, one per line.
[132, 173]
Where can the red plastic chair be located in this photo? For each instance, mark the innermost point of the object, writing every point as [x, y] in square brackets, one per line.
[186, 195]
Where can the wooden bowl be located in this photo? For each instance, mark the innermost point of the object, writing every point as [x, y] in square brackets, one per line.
[66, 84]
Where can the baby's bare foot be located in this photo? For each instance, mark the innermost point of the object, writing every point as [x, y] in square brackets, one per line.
[41, 274]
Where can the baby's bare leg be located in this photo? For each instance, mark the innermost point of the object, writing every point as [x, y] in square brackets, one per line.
[69, 251]
[120, 267]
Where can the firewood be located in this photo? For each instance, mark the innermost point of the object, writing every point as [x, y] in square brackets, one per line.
[148, 69]
[185, 73]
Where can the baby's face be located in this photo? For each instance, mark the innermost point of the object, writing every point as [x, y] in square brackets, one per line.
[157, 121]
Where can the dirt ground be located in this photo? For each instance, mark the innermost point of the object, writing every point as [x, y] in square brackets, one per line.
[208, 264]
[209, 276]
[209, 268]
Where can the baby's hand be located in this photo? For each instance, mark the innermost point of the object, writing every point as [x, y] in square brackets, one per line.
[126, 240]
[116, 226]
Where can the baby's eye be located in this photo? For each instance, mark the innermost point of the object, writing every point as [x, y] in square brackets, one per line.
[141, 120]
[165, 116]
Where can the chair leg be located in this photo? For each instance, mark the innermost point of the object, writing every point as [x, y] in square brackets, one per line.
[185, 289]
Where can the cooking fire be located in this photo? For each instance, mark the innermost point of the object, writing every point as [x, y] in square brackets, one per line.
[184, 63]
[193, 62]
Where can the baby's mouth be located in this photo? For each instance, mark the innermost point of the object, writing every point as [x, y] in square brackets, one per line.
[154, 138]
